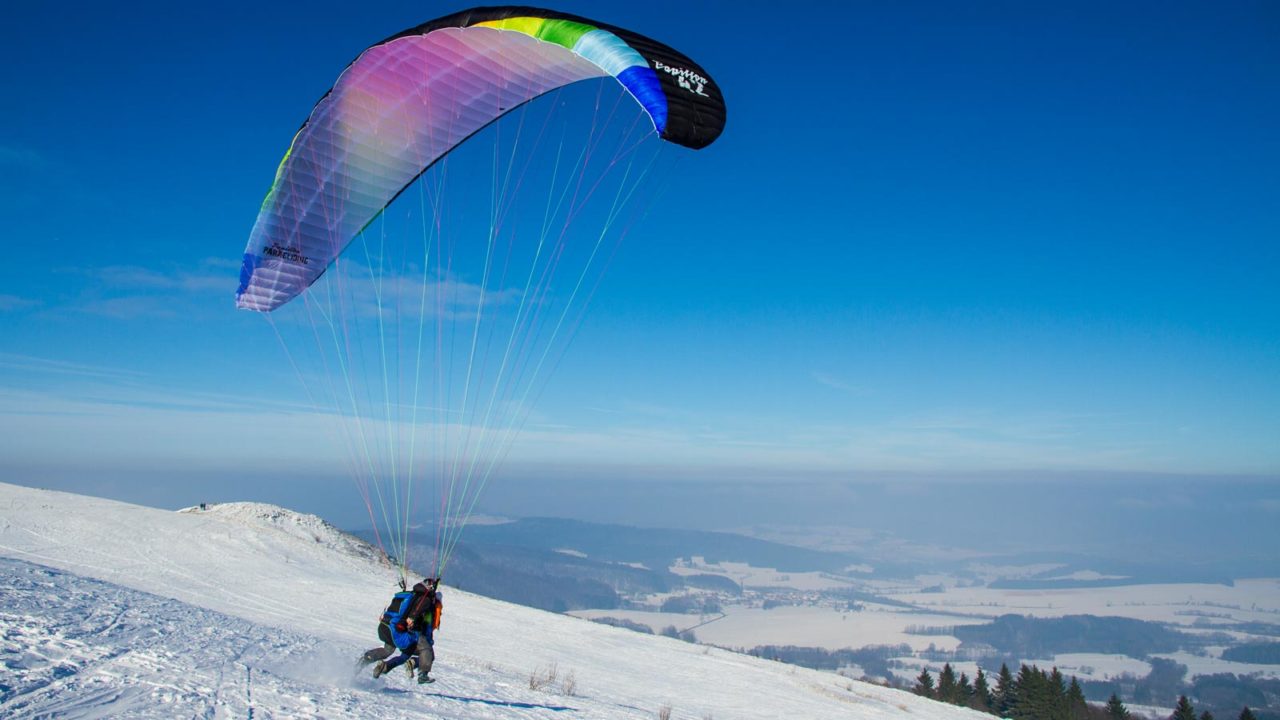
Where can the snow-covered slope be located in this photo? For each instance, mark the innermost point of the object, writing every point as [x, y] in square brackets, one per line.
[246, 610]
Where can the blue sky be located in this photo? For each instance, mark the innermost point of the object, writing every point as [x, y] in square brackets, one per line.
[934, 239]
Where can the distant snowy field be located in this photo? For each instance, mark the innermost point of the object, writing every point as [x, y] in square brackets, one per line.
[1183, 604]
[1190, 607]
[807, 626]
[115, 610]
[813, 625]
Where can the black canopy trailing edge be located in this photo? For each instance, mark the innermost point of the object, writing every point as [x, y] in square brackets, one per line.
[695, 105]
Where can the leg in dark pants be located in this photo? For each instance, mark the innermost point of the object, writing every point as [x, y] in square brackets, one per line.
[400, 659]
[384, 652]
[426, 653]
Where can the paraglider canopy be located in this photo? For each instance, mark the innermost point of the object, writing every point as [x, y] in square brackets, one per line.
[411, 98]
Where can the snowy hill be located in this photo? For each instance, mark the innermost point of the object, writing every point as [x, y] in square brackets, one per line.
[247, 610]
[298, 525]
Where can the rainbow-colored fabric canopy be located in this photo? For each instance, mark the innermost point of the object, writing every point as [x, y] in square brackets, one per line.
[408, 100]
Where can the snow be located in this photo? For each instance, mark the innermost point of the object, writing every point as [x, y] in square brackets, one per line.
[245, 610]
[909, 667]
[1088, 575]
[753, 577]
[1201, 665]
[1094, 666]
[806, 626]
[1248, 600]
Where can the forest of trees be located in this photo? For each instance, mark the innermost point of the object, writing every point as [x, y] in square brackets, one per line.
[1035, 695]
[875, 660]
[1260, 653]
[1022, 636]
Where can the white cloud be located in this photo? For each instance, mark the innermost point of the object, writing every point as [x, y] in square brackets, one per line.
[130, 292]
[14, 302]
[22, 157]
[129, 308]
[836, 384]
[134, 277]
[29, 363]
[354, 290]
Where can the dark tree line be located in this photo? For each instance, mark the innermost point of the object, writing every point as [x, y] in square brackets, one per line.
[875, 660]
[1021, 636]
[1259, 653]
[1034, 695]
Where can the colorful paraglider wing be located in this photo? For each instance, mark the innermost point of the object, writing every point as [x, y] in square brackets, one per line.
[408, 100]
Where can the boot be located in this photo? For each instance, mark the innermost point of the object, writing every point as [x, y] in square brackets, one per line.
[379, 668]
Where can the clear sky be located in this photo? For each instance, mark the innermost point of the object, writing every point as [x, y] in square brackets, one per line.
[936, 238]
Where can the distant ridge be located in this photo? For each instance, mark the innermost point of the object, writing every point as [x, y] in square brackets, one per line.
[295, 524]
[656, 547]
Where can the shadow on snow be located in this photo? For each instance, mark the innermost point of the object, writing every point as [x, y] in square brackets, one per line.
[504, 703]
[482, 701]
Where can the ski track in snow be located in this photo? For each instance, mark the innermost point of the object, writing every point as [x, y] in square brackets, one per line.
[81, 648]
[110, 610]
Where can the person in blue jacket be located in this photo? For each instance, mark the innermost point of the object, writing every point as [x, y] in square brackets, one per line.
[414, 647]
[414, 636]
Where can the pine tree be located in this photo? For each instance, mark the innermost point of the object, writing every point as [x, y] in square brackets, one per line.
[1206, 715]
[1116, 709]
[948, 688]
[1057, 697]
[1247, 714]
[982, 699]
[1077, 706]
[1027, 698]
[924, 685]
[1018, 701]
[1003, 695]
[964, 691]
[1184, 710]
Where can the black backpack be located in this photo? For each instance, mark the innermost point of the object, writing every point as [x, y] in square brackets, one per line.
[423, 604]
